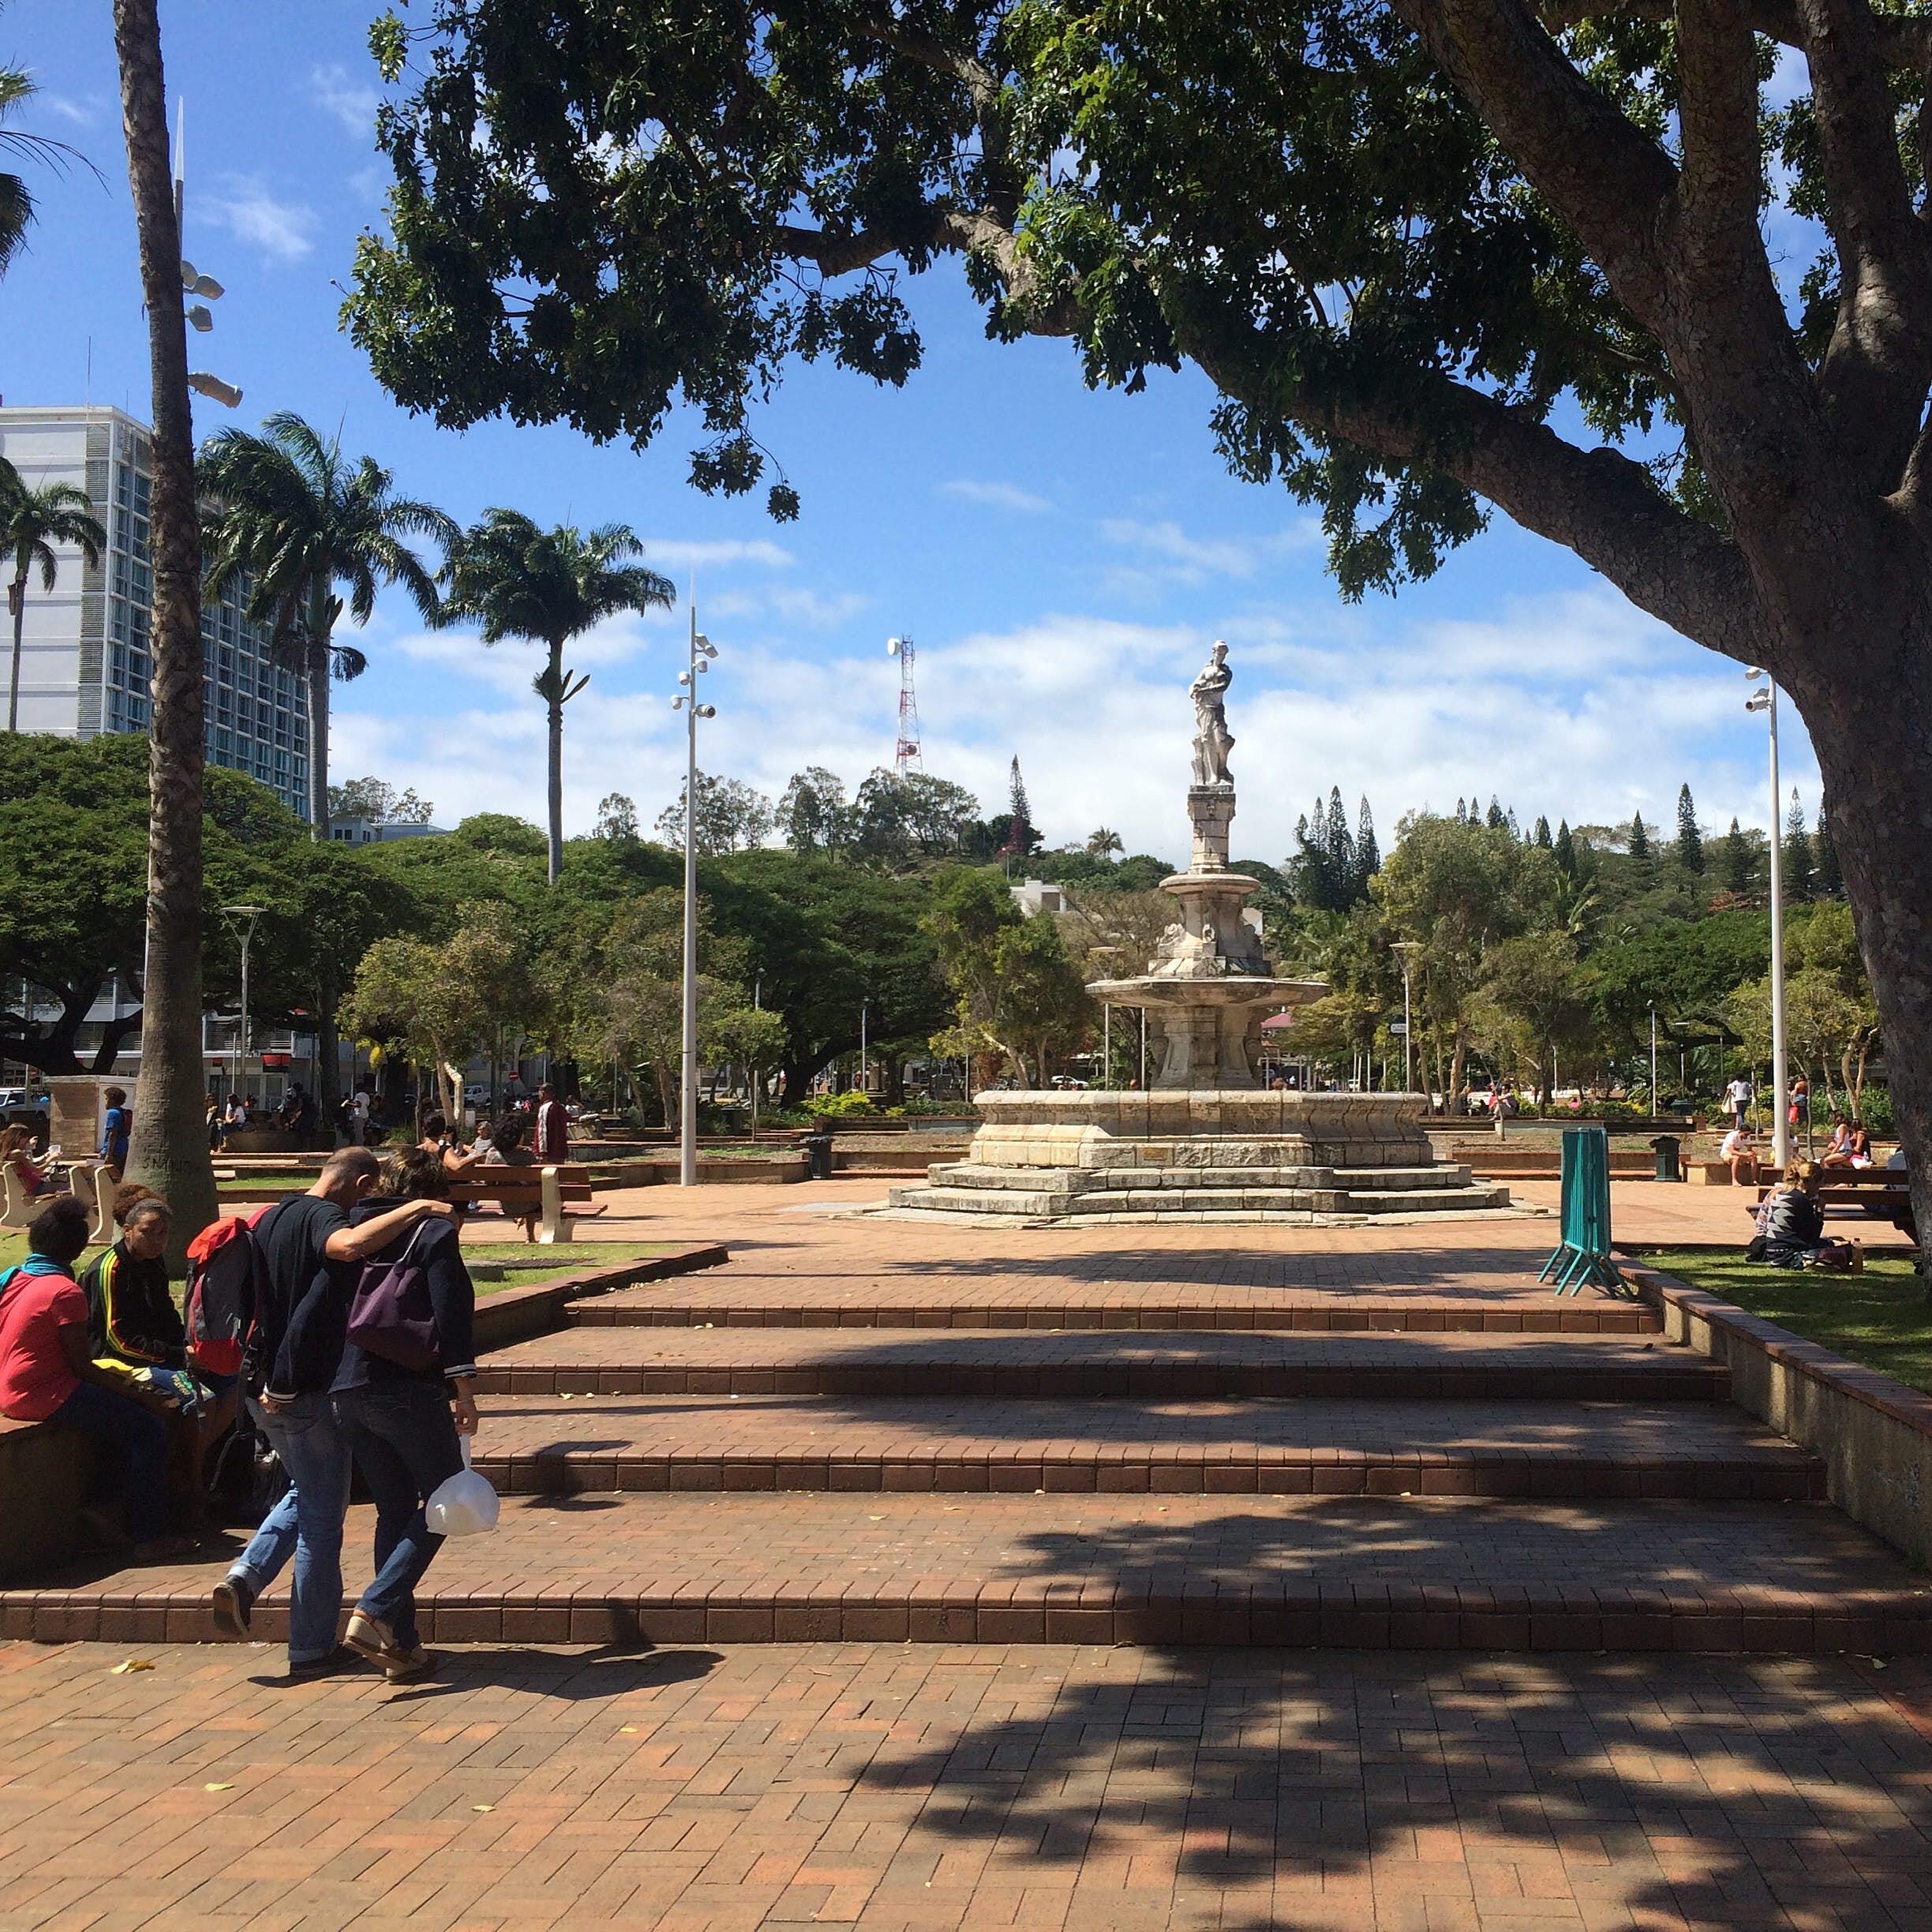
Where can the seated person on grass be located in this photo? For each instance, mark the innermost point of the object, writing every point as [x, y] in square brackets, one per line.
[1790, 1227]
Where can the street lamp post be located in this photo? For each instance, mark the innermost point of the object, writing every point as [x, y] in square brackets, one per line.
[1654, 1108]
[249, 914]
[1765, 699]
[1405, 948]
[703, 651]
[865, 1014]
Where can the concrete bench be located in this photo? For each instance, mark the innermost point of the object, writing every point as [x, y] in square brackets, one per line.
[43, 1476]
[534, 1195]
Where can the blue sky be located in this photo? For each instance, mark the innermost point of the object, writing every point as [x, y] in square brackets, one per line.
[1062, 558]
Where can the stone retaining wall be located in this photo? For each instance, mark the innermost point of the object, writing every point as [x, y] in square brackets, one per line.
[1872, 1432]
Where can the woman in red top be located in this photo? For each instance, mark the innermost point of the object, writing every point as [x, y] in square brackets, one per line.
[47, 1374]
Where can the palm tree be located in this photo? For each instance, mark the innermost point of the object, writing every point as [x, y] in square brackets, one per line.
[549, 586]
[299, 517]
[1105, 842]
[32, 521]
[170, 1149]
[16, 201]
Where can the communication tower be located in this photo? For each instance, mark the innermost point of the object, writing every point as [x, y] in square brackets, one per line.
[907, 757]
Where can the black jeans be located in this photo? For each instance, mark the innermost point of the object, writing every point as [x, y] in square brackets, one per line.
[404, 1441]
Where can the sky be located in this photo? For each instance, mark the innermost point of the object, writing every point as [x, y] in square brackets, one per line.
[1062, 559]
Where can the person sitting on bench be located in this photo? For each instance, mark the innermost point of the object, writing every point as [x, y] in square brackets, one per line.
[1740, 1152]
[507, 1150]
[1850, 1145]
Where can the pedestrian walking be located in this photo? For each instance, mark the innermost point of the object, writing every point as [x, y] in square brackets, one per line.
[552, 1128]
[404, 1394]
[300, 1330]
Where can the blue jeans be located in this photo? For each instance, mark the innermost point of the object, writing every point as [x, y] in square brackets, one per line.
[404, 1442]
[307, 1523]
[130, 1455]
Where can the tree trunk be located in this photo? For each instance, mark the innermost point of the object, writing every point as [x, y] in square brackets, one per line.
[316, 670]
[16, 603]
[555, 774]
[170, 1149]
[1870, 714]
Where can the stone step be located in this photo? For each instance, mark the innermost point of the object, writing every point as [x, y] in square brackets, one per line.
[1427, 1574]
[1086, 1365]
[556, 1445]
[1474, 1199]
[1162, 1307]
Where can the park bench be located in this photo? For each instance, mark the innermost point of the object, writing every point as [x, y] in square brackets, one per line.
[1881, 1192]
[95, 1184]
[534, 1195]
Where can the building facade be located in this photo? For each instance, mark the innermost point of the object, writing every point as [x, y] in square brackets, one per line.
[84, 657]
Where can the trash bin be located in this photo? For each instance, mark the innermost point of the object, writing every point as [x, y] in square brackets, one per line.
[819, 1156]
[1668, 1167]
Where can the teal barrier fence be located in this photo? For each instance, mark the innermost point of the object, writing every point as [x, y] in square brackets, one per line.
[1584, 1254]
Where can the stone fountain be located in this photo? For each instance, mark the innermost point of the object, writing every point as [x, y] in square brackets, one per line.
[1206, 1142]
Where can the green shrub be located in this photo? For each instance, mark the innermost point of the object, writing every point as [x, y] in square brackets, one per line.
[852, 1104]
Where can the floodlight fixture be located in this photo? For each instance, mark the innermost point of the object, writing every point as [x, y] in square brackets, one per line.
[199, 319]
[215, 389]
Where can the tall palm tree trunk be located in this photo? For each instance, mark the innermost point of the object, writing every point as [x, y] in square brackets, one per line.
[316, 670]
[169, 1151]
[555, 696]
[16, 603]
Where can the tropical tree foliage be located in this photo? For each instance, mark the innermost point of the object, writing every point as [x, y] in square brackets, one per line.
[31, 523]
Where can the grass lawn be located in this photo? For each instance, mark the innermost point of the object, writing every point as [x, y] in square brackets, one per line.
[1880, 1318]
[497, 1265]
[254, 1183]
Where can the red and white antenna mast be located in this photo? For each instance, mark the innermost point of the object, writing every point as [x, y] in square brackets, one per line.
[907, 757]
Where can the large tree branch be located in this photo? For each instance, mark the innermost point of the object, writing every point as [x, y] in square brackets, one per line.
[1900, 40]
[1611, 183]
[1880, 357]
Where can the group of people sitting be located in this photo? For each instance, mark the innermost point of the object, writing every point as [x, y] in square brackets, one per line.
[332, 1376]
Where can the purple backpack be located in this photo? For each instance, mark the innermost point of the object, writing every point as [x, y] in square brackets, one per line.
[390, 1314]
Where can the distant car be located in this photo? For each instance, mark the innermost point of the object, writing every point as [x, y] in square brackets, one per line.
[19, 1107]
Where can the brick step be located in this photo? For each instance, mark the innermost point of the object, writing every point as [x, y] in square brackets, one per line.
[702, 1302]
[554, 1445]
[1245, 1203]
[1433, 1574]
[1085, 1364]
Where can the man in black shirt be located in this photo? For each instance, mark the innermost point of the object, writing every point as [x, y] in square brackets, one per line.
[301, 1325]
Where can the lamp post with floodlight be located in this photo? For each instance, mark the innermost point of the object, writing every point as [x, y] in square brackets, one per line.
[703, 651]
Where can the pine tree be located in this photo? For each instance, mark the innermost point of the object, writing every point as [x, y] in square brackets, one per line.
[1494, 817]
[1689, 842]
[1740, 865]
[1828, 880]
[1341, 848]
[1509, 820]
[1639, 839]
[1022, 839]
[1367, 852]
[1542, 833]
[1461, 811]
[1565, 849]
[1799, 885]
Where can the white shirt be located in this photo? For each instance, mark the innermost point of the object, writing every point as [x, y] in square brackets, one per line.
[1732, 1144]
[1739, 1092]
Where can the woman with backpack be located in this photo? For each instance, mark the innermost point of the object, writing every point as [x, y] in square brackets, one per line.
[404, 1395]
[48, 1374]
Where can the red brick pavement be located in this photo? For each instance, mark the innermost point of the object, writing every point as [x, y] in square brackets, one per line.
[1407, 1572]
[936, 1790]
[1083, 1364]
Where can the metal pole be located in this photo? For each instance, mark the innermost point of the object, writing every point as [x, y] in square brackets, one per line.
[1780, 1127]
[1144, 1085]
[1106, 1045]
[1653, 1091]
[865, 1008]
[248, 935]
[688, 1111]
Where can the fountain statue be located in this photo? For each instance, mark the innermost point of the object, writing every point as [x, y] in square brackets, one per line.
[1205, 1140]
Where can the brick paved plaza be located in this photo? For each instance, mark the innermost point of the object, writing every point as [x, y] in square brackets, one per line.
[913, 1575]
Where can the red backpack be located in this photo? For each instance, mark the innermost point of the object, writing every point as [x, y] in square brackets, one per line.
[226, 1276]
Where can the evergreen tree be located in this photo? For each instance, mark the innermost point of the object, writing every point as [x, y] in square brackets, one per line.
[1639, 839]
[1542, 833]
[1341, 849]
[1368, 853]
[1740, 865]
[1799, 885]
[1828, 880]
[1565, 849]
[1461, 811]
[1509, 819]
[1495, 815]
[1022, 811]
[1689, 842]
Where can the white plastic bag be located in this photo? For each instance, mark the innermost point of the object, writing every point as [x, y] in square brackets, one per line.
[463, 1505]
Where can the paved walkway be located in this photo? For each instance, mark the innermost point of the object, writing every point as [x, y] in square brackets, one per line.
[914, 1790]
[764, 1638]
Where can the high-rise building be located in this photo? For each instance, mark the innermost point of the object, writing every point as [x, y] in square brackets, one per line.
[84, 663]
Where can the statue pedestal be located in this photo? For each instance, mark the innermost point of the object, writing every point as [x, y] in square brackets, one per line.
[1211, 811]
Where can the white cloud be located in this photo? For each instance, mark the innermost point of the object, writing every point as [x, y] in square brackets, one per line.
[994, 495]
[352, 104]
[671, 553]
[83, 113]
[1415, 712]
[244, 205]
[790, 605]
[1166, 553]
